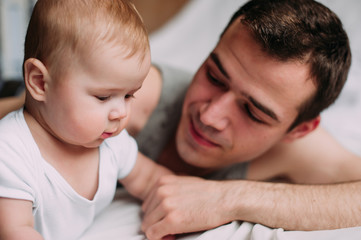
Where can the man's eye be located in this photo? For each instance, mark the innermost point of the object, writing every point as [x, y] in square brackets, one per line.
[215, 81]
[102, 98]
[251, 115]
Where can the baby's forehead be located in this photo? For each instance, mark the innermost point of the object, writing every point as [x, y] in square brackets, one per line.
[115, 46]
[125, 40]
[111, 50]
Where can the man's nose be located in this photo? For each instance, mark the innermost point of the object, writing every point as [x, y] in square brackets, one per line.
[118, 111]
[216, 112]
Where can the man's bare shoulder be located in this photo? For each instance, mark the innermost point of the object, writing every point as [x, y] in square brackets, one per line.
[320, 158]
[146, 100]
[314, 159]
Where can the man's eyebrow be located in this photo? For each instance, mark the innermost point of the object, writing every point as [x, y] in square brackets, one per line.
[216, 60]
[263, 108]
[256, 103]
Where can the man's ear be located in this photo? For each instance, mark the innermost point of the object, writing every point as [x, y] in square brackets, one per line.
[302, 130]
[36, 77]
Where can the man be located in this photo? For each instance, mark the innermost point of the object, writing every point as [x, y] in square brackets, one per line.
[247, 103]
[278, 64]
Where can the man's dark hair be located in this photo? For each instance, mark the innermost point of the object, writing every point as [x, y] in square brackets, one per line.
[306, 31]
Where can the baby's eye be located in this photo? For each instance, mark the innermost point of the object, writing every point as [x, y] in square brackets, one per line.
[102, 98]
[129, 96]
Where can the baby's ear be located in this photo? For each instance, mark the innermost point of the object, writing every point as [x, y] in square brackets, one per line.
[36, 77]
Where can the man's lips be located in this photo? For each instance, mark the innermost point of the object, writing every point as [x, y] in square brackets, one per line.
[199, 138]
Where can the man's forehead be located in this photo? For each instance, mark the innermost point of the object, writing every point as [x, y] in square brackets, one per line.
[238, 53]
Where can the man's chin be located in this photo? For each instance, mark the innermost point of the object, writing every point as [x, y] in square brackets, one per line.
[194, 158]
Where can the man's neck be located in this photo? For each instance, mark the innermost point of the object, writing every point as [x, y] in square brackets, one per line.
[172, 160]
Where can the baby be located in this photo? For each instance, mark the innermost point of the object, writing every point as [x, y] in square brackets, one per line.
[62, 154]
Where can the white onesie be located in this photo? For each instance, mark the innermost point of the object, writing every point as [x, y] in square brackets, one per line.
[59, 211]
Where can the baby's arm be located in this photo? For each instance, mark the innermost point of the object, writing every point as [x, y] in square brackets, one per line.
[16, 220]
[143, 177]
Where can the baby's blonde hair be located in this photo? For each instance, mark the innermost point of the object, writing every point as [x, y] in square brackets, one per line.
[58, 28]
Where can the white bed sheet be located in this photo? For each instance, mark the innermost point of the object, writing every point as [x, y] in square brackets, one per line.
[184, 43]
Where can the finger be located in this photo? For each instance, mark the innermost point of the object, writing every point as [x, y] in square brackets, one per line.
[152, 217]
[169, 237]
[158, 196]
[148, 201]
[159, 231]
[153, 193]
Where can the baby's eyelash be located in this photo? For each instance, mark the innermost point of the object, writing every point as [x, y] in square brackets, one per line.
[102, 98]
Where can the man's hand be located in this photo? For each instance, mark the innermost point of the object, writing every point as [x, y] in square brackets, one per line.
[180, 204]
[189, 204]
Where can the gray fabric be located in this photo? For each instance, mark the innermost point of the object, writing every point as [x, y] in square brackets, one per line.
[163, 122]
[236, 171]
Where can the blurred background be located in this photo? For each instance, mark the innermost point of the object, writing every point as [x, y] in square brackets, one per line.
[14, 17]
[182, 33]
